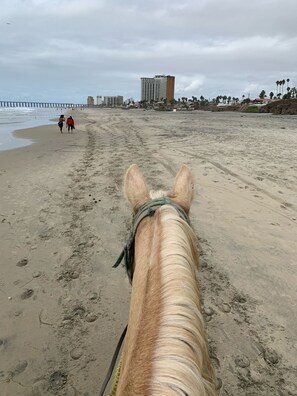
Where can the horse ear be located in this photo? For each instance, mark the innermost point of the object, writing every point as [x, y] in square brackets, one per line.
[135, 189]
[183, 190]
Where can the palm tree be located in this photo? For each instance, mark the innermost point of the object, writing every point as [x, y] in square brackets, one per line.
[283, 83]
[277, 84]
[287, 82]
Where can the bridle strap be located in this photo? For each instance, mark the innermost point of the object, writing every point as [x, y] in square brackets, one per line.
[147, 209]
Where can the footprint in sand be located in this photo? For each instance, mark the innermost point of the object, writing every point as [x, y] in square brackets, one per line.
[224, 307]
[27, 294]
[271, 357]
[22, 262]
[57, 381]
[76, 353]
[242, 361]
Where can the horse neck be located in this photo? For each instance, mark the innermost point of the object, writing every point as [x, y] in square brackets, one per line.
[165, 351]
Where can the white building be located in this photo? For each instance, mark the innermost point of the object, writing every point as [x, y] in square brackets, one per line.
[99, 100]
[109, 101]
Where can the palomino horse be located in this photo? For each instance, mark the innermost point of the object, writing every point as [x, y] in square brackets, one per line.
[165, 350]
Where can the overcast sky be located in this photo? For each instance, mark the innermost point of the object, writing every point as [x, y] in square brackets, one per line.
[65, 50]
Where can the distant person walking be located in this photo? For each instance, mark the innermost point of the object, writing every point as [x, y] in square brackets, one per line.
[61, 122]
[70, 124]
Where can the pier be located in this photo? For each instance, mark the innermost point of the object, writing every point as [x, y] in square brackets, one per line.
[13, 103]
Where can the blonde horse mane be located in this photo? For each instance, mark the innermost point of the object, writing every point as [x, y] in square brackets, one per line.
[166, 351]
[181, 362]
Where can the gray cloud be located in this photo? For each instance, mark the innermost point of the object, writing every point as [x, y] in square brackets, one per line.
[68, 49]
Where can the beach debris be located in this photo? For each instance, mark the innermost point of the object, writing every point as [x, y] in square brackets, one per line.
[9, 298]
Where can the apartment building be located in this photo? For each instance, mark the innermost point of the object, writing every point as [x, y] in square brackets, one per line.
[90, 101]
[99, 100]
[113, 101]
[157, 88]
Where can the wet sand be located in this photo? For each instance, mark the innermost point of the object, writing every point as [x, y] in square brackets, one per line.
[63, 222]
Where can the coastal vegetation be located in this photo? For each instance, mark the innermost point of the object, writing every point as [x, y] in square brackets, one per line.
[283, 100]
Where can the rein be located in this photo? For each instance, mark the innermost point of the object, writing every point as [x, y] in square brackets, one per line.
[147, 209]
[113, 362]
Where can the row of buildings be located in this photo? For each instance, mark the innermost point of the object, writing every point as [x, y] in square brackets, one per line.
[157, 89]
[106, 101]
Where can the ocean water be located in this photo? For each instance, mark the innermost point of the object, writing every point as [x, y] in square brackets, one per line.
[14, 118]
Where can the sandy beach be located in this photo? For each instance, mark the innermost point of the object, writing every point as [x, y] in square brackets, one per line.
[64, 221]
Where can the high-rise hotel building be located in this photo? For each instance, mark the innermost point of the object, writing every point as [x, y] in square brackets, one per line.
[157, 88]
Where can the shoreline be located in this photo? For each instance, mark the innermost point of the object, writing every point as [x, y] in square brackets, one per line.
[64, 220]
[12, 139]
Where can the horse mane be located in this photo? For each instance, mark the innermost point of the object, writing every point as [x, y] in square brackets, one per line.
[181, 363]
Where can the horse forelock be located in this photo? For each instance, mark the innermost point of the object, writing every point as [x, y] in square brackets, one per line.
[158, 194]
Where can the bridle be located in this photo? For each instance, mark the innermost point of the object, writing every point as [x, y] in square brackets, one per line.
[145, 210]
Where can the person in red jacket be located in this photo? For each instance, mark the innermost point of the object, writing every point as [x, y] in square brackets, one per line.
[70, 123]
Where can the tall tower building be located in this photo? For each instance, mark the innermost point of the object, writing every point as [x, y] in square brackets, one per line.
[170, 81]
[158, 88]
[90, 101]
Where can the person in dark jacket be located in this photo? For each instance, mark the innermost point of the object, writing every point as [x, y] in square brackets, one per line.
[61, 122]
